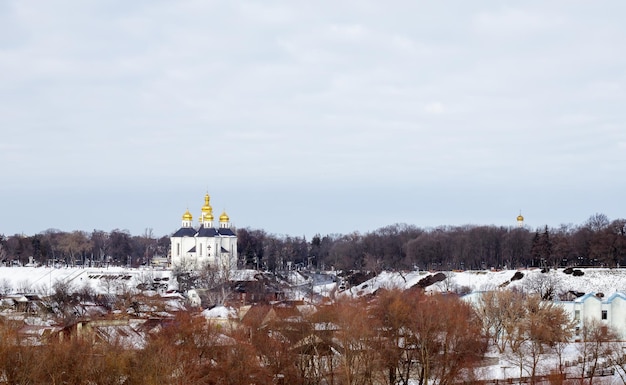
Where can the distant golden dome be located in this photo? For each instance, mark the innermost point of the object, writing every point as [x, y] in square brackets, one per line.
[187, 216]
[207, 209]
[224, 217]
[520, 218]
[208, 217]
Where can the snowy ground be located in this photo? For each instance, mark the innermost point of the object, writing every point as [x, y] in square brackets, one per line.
[42, 279]
[597, 280]
[101, 280]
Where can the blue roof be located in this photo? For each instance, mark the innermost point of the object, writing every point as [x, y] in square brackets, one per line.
[203, 232]
[226, 231]
[586, 296]
[616, 295]
[184, 232]
[207, 232]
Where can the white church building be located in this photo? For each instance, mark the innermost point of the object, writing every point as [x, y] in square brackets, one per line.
[194, 247]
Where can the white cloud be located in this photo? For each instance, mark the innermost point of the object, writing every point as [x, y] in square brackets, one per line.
[270, 14]
[348, 31]
[434, 108]
[508, 21]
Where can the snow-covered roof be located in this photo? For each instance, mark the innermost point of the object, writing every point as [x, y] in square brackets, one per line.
[220, 312]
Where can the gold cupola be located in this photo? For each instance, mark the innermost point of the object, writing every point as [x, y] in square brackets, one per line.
[207, 210]
[187, 216]
[224, 217]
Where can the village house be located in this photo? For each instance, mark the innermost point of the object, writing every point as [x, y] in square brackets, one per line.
[610, 312]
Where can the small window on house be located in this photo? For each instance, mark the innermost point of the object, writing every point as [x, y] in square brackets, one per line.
[577, 315]
[604, 314]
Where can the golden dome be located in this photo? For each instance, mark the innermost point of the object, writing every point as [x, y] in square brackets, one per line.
[520, 218]
[224, 217]
[208, 217]
[207, 209]
[187, 216]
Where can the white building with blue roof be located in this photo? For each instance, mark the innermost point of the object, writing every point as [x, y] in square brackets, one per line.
[609, 311]
[215, 246]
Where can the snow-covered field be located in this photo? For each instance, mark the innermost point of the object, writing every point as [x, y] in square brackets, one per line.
[42, 279]
[597, 280]
[101, 280]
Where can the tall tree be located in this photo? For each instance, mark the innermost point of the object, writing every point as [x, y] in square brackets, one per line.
[119, 246]
[596, 343]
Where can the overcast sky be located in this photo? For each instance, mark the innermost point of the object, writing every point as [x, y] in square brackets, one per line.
[302, 117]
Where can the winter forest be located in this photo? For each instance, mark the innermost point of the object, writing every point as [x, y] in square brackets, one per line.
[597, 242]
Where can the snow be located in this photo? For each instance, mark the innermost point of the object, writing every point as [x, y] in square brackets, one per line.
[101, 280]
[598, 280]
[17, 280]
[387, 280]
[220, 312]
[594, 280]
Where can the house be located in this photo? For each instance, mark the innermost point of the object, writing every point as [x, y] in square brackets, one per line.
[609, 311]
[319, 358]
[130, 333]
[255, 288]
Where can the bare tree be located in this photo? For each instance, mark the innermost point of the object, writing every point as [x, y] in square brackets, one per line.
[24, 286]
[5, 286]
[215, 281]
[491, 307]
[393, 309]
[101, 242]
[356, 336]
[617, 360]
[597, 222]
[449, 339]
[3, 250]
[547, 284]
[596, 345]
[540, 326]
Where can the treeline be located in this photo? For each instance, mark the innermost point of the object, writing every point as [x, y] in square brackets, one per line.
[98, 248]
[597, 242]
